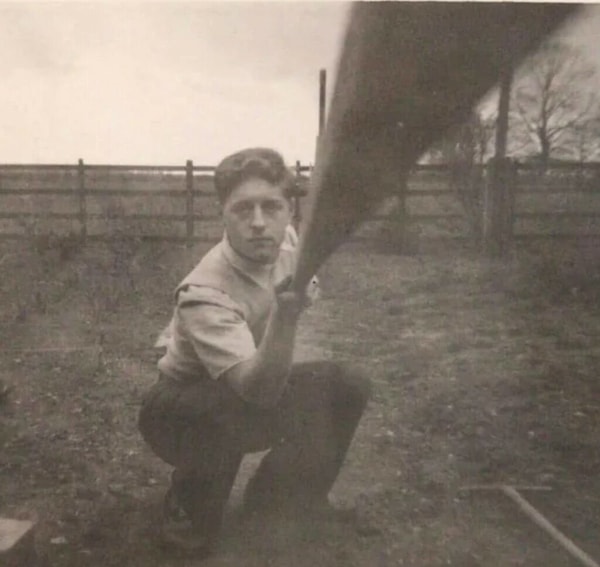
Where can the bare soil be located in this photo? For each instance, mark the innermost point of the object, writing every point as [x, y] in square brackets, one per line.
[484, 372]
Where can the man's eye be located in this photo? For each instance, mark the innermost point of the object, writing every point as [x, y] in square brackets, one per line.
[272, 206]
[243, 208]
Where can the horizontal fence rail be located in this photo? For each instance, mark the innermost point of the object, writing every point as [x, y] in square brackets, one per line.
[179, 202]
[98, 200]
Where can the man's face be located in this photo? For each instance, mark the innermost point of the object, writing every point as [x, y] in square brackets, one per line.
[256, 215]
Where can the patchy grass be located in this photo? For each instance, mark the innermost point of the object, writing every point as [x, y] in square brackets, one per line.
[483, 372]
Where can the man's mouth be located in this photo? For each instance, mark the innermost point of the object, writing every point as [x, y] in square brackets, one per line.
[262, 240]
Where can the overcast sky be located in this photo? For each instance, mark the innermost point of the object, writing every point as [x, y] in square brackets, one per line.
[159, 83]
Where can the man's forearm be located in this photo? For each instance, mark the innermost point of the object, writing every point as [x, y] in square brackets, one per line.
[262, 379]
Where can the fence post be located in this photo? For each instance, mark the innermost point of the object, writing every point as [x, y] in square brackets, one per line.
[189, 205]
[498, 206]
[322, 98]
[322, 105]
[82, 200]
[299, 192]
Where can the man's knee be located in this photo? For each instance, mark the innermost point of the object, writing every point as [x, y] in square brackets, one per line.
[157, 433]
[345, 382]
[159, 423]
[326, 384]
[353, 386]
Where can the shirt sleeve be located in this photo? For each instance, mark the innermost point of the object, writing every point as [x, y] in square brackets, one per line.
[215, 326]
[291, 236]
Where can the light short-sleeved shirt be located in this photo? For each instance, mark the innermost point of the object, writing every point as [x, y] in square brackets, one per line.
[222, 308]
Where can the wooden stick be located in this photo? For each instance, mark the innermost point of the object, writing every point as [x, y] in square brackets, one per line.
[408, 71]
[543, 523]
[475, 487]
[17, 543]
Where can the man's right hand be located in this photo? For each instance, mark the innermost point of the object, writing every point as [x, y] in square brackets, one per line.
[290, 303]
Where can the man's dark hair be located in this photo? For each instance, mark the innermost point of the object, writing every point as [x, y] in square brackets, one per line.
[261, 163]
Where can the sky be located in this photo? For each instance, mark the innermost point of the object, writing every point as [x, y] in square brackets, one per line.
[159, 83]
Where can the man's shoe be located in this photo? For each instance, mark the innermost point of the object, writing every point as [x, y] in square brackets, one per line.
[183, 538]
[178, 532]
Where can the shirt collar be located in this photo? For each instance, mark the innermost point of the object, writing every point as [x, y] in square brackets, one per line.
[261, 274]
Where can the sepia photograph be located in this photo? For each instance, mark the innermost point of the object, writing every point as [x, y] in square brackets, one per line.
[299, 283]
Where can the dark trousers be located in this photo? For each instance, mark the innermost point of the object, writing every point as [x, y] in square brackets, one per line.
[203, 428]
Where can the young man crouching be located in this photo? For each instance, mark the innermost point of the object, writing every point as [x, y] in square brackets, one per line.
[227, 385]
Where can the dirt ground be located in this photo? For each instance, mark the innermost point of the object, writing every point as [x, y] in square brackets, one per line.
[483, 371]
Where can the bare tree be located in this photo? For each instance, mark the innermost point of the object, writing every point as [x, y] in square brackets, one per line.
[554, 103]
[584, 141]
[465, 150]
[470, 143]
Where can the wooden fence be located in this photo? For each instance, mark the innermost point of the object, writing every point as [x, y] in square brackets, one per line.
[179, 202]
[560, 201]
[165, 202]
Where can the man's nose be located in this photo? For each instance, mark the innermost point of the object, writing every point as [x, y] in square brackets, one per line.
[258, 219]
